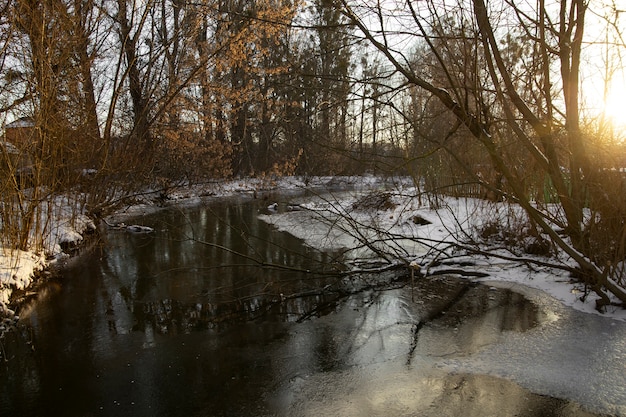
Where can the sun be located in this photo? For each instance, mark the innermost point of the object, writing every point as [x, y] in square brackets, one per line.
[604, 103]
[614, 107]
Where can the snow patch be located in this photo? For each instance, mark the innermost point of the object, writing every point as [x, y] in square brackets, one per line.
[17, 269]
[332, 222]
[329, 221]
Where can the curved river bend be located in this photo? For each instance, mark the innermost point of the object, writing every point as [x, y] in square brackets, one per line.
[219, 314]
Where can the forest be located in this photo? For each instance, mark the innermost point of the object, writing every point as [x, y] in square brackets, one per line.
[500, 100]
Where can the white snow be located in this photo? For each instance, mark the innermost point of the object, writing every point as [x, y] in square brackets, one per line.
[62, 225]
[17, 269]
[393, 230]
[330, 222]
[137, 228]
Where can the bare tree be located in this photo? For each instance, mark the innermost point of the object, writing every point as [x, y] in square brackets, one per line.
[542, 113]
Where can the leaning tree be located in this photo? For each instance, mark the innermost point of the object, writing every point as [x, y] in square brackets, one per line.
[510, 75]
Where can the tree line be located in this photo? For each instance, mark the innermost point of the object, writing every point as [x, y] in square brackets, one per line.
[126, 94]
[175, 89]
[122, 95]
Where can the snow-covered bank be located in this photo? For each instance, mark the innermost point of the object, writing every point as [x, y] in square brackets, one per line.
[413, 231]
[17, 270]
[62, 225]
[409, 227]
[66, 223]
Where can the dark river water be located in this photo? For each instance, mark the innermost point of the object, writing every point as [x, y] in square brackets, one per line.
[218, 314]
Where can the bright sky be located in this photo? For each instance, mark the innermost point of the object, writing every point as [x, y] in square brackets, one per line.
[604, 64]
[615, 104]
[611, 109]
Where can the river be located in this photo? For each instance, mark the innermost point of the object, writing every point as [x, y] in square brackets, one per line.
[217, 313]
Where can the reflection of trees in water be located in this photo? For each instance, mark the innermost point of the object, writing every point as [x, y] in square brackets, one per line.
[476, 313]
[504, 309]
[211, 267]
[293, 300]
[171, 316]
[467, 316]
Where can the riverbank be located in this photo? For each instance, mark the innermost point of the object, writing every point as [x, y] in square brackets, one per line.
[425, 234]
[69, 226]
[407, 220]
[129, 318]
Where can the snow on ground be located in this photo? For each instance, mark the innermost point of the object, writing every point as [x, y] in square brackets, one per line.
[332, 219]
[337, 222]
[16, 270]
[65, 223]
[62, 225]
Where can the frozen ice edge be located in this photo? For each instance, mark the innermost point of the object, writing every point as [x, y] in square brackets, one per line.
[571, 354]
[576, 353]
[570, 322]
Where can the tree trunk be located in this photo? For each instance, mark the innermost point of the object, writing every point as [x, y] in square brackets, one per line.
[141, 128]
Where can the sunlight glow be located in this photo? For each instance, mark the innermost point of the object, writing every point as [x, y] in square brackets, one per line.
[615, 105]
[607, 110]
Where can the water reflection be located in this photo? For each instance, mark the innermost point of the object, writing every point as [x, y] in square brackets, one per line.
[206, 266]
[158, 325]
